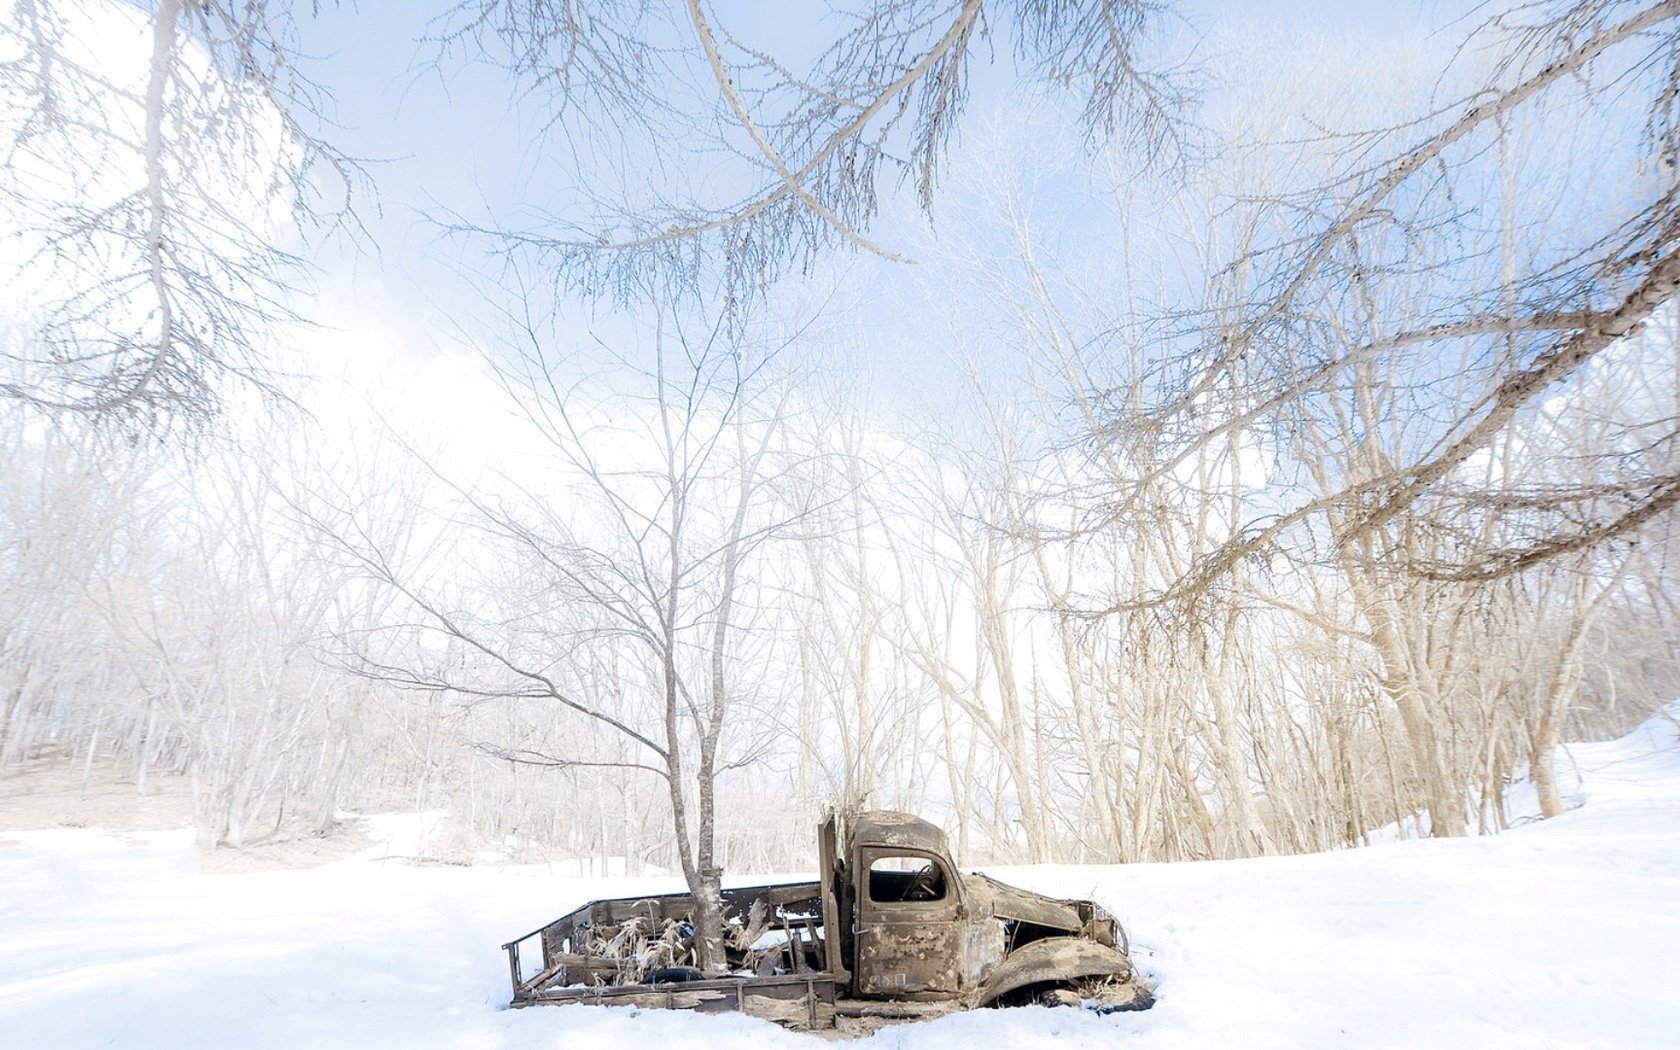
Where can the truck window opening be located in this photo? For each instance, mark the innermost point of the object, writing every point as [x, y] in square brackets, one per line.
[895, 880]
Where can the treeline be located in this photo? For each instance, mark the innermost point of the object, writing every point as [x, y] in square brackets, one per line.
[943, 633]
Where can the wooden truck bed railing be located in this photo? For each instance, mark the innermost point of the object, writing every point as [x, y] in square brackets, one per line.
[555, 962]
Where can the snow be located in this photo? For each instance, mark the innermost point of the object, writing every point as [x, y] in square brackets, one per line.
[399, 836]
[1556, 933]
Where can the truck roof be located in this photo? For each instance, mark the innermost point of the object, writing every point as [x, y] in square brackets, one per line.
[889, 828]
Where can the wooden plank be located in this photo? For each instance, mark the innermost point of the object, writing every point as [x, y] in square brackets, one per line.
[796, 1001]
[896, 1010]
[831, 918]
[513, 967]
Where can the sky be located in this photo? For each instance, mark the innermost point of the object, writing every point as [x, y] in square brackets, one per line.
[448, 138]
[401, 314]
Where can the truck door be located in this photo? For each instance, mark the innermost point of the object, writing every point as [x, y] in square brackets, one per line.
[909, 911]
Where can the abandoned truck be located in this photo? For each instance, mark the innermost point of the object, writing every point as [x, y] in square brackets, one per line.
[892, 932]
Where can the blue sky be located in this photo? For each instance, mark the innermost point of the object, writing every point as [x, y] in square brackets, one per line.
[451, 138]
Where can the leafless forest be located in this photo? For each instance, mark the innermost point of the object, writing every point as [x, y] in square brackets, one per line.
[1331, 493]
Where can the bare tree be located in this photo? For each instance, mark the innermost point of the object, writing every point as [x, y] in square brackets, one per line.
[612, 585]
[165, 615]
[1524, 303]
[154, 210]
[882, 98]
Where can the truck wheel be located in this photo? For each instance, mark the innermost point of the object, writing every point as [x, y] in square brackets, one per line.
[1110, 998]
[1058, 997]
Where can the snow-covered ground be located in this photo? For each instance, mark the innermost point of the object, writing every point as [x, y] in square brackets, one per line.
[1562, 934]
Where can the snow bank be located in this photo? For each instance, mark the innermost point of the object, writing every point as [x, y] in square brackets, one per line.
[1559, 933]
[399, 836]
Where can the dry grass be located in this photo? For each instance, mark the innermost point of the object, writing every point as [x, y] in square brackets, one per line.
[284, 852]
[55, 791]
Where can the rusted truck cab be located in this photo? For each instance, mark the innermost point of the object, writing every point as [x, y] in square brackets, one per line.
[914, 928]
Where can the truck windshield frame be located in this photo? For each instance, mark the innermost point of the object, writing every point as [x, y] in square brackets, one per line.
[930, 885]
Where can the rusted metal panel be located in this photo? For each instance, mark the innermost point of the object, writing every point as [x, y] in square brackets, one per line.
[1008, 902]
[984, 944]
[900, 830]
[908, 959]
[909, 931]
[1055, 959]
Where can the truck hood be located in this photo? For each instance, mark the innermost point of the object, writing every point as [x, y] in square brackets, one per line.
[1009, 902]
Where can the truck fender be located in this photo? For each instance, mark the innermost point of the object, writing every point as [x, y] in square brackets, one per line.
[1054, 959]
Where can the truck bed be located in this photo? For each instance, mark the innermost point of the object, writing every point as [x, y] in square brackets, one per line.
[604, 952]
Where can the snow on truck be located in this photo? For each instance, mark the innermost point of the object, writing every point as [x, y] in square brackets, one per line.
[893, 931]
